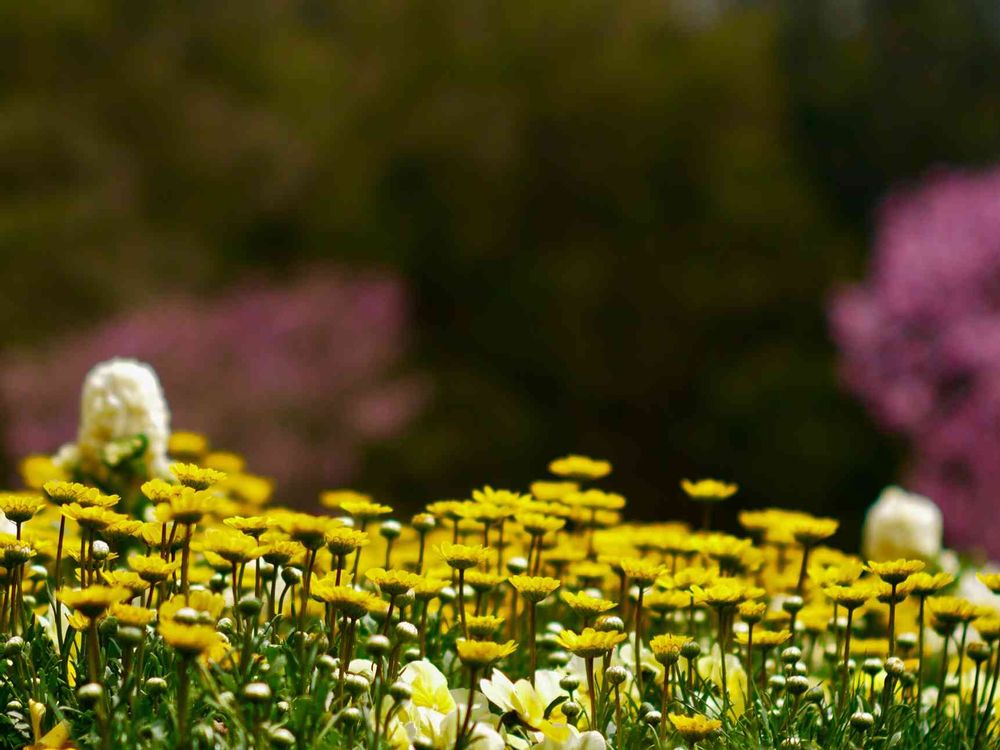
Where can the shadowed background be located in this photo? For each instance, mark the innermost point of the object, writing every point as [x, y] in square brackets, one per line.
[419, 247]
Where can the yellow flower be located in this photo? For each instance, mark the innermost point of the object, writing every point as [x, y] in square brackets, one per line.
[189, 640]
[92, 517]
[809, 531]
[346, 599]
[479, 654]
[552, 490]
[227, 462]
[38, 470]
[641, 572]
[991, 581]
[188, 506]
[764, 638]
[365, 510]
[594, 500]
[752, 612]
[196, 477]
[128, 615]
[534, 588]
[667, 647]
[334, 499]
[126, 579]
[64, 493]
[152, 568]
[461, 556]
[252, 526]
[580, 467]
[281, 551]
[483, 626]
[344, 540]
[119, 531]
[723, 593]
[895, 571]
[20, 508]
[499, 498]
[850, 597]
[951, 609]
[393, 582]
[159, 490]
[308, 530]
[231, 546]
[708, 489]
[584, 604]
[538, 524]
[988, 628]
[694, 728]
[187, 445]
[590, 643]
[93, 601]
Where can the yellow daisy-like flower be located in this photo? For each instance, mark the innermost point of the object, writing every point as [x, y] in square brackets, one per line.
[160, 490]
[119, 531]
[590, 643]
[92, 517]
[188, 506]
[710, 490]
[580, 467]
[594, 500]
[667, 647]
[196, 477]
[93, 601]
[988, 628]
[584, 604]
[990, 580]
[482, 582]
[310, 531]
[281, 551]
[462, 556]
[346, 599]
[152, 568]
[538, 524]
[344, 540]
[723, 593]
[365, 510]
[895, 571]
[642, 572]
[951, 609]
[534, 588]
[810, 531]
[850, 597]
[231, 546]
[187, 446]
[501, 498]
[694, 728]
[334, 499]
[764, 638]
[37, 470]
[252, 526]
[393, 582]
[547, 491]
[126, 579]
[227, 462]
[752, 612]
[189, 640]
[64, 493]
[20, 508]
[483, 626]
[479, 654]
[131, 616]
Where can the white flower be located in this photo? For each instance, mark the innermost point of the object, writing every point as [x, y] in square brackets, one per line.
[122, 398]
[902, 524]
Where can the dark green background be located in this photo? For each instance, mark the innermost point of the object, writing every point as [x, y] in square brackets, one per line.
[620, 220]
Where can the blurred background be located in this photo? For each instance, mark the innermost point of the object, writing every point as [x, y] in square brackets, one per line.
[419, 247]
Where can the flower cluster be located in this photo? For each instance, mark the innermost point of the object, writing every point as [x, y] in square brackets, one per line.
[198, 612]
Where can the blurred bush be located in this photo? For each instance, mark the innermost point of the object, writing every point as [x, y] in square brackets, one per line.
[921, 343]
[618, 220]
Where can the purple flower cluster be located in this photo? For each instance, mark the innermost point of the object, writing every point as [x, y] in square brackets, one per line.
[920, 339]
[298, 377]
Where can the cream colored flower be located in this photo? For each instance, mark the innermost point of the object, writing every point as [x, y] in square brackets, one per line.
[902, 525]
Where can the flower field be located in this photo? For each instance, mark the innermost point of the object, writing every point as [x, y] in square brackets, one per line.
[184, 606]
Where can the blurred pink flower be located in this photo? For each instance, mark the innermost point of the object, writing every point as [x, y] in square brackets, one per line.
[298, 377]
[920, 339]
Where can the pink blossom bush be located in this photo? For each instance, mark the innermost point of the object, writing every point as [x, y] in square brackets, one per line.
[299, 377]
[920, 342]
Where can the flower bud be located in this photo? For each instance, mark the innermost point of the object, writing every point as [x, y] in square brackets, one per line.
[13, 647]
[423, 522]
[328, 663]
[100, 550]
[291, 576]
[352, 715]
[187, 616]
[791, 655]
[571, 709]
[616, 675]
[862, 720]
[225, 626]
[281, 737]
[355, 684]
[777, 682]
[792, 604]
[156, 686]
[517, 565]
[130, 636]
[652, 718]
[378, 645]
[691, 650]
[406, 632]
[249, 606]
[871, 666]
[569, 682]
[390, 529]
[400, 691]
[610, 623]
[257, 692]
[797, 684]
[894, 666]
[108, 627]
[89, 694]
